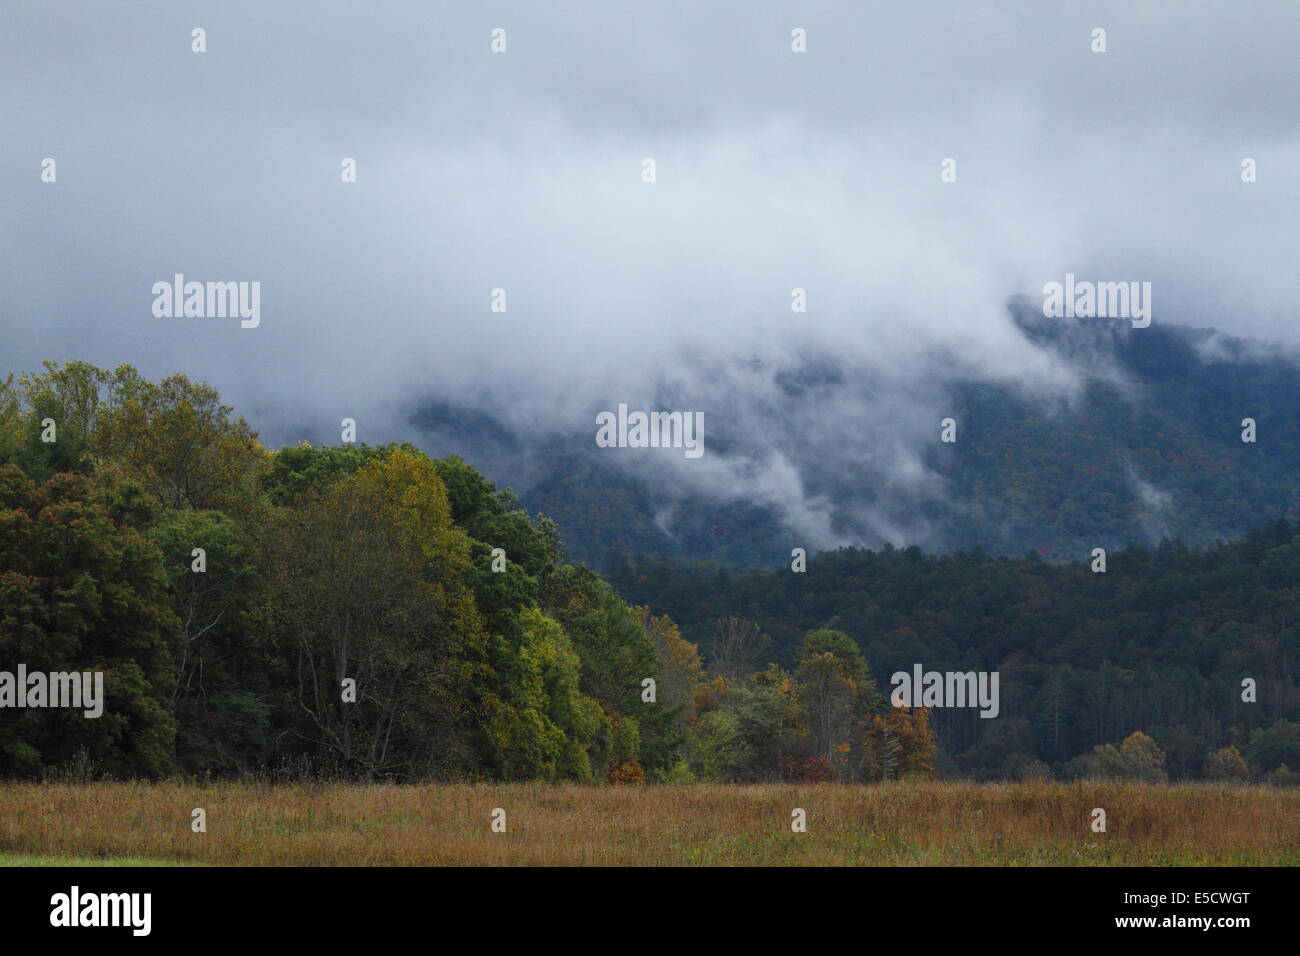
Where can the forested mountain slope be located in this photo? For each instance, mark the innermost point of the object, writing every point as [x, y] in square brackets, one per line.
[1160, 642]
[1150, 446]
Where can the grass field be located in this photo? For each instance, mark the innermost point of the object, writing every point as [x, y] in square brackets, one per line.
[885, 824]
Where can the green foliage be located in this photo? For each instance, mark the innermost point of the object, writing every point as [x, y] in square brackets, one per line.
[1275, 746]
[295, 471]
[221, 697]
[1137, 758]
[1159, 643]
[552, 730]
[616, 656]
[376, 565]
[80, 592]
[322, 566]
[718, 749]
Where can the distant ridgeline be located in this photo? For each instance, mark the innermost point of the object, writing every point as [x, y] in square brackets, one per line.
[370, 612]
[1151, 449]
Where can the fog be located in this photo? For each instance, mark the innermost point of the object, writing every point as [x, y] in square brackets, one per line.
[522, 171]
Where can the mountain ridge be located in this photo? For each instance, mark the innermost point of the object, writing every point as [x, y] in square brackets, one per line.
[1148, 446]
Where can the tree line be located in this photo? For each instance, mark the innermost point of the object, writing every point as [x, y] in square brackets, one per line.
[359, 612]
[1174, 663]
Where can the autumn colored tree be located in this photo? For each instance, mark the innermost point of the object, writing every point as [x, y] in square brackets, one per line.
[680, 669]
[181, 442]
[897, 744]
[1226, 763]
[1143, 759]
[835, 688]
[366, 584]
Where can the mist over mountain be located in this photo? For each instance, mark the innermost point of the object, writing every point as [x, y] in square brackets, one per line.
[776, 170]
[819, 450]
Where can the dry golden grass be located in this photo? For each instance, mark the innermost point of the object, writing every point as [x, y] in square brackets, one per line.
[888, 824]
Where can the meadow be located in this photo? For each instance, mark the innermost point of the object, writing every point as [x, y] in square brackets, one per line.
[891, 824]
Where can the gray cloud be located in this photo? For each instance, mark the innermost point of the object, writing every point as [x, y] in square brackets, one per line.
[521, 171]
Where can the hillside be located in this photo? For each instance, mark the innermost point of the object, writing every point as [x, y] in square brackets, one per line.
[1149, 447]
[374, 613]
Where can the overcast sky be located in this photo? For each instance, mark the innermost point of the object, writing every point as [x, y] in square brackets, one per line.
[522, 171]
